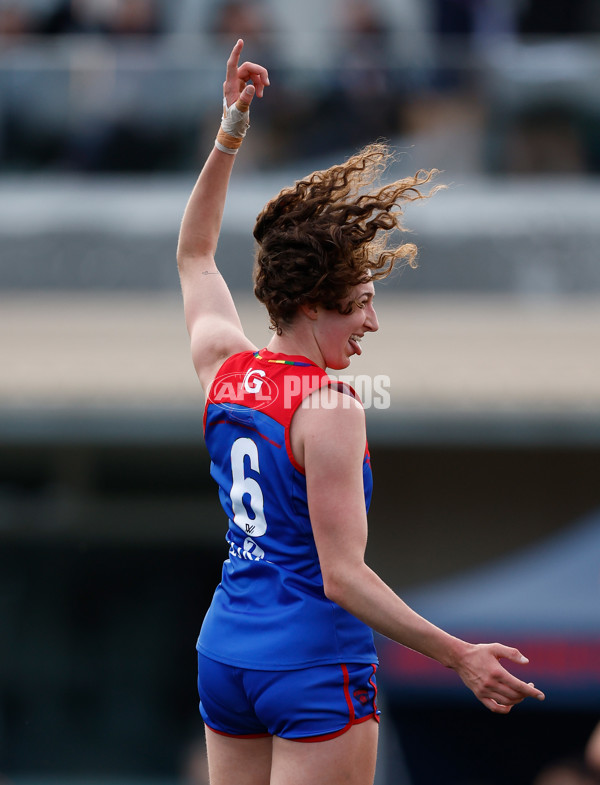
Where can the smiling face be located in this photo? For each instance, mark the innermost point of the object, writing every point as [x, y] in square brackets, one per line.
[338, 335]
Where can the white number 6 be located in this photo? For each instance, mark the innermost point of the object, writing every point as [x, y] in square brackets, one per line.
[246, 486]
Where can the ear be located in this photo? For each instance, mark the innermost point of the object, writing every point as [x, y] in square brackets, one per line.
[310, 311]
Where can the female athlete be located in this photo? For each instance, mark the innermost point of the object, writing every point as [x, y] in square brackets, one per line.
[286, 661]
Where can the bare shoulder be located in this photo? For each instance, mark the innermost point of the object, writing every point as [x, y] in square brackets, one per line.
[328, 423]
[330, 406]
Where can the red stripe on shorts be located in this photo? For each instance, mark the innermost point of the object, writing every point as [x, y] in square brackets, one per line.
[351, 714]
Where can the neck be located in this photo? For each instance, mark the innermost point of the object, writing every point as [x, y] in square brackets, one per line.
[295, 341]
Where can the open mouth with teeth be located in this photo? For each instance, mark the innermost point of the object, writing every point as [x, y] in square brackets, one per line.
[354, 342]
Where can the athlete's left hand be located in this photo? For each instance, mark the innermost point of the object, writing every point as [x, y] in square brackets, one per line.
[480, 669]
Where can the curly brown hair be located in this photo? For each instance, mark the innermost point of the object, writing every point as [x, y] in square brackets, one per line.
[324, 235]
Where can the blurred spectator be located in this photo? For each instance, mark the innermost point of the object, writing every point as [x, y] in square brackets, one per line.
[111, 17]
[453, 24]
[74, 16]
[134, 17]
[477, 20]
[98, 110]
[360, 103]
[465, 29]
[364, 21]
[240, 19]
[455, 17]
[546, 138]
[14, 21]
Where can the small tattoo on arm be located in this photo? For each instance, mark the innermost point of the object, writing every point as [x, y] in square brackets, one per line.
[210, 272]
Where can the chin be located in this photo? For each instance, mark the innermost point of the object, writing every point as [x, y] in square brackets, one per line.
[339, 365]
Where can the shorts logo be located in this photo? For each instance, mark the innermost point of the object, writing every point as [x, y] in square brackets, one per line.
[362, 696]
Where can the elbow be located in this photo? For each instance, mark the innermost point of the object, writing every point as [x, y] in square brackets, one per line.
[183, 257]
[345, 581]
[180, 260]
[335, 586]
[199, 260]
[330, 590]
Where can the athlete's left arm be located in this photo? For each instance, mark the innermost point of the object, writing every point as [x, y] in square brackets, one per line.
[332, 435]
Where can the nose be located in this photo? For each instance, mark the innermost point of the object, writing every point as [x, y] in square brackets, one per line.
[371, 322]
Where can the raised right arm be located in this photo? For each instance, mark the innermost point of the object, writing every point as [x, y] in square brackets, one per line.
[211, 317]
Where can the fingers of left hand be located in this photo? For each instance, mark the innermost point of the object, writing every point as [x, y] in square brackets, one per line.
[507, 681]
[536, 693]
[509, 690]
[497, 708]
[506, 697]
[523, 689]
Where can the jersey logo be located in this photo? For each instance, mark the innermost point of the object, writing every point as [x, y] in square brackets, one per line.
[231, 389]
[253, 380]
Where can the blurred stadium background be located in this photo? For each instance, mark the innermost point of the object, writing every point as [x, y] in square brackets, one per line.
[486, 463]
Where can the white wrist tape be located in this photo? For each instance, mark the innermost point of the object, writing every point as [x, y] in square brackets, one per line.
[234, 124]
[236, 118]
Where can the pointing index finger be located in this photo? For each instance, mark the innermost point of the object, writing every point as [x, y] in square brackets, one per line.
[234, 58]
[525, 689]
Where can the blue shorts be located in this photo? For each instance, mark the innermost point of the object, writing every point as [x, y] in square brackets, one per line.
[309, 704]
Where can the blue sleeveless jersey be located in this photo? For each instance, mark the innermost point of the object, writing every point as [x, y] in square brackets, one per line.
[270, 611]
